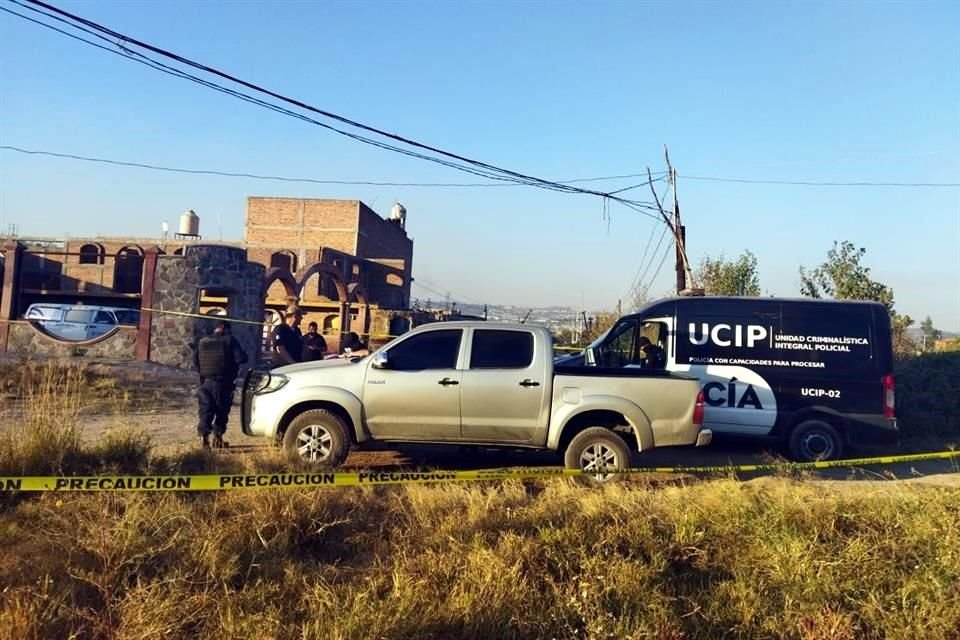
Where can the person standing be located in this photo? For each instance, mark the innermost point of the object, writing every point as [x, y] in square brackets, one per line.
[217, 358]
[314, 346]
[287, 338]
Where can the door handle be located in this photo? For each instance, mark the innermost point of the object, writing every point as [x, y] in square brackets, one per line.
[529, 383]
[447, 381]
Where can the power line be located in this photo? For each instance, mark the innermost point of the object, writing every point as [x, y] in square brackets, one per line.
[441, 290]
[663, 259]
[811, 183]
[233, 174]
[453, 160]
[642, 278]
[635, 283]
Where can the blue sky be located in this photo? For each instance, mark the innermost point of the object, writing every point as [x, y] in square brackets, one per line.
[793, 91]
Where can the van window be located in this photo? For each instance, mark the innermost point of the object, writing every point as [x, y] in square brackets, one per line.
[103, 317]
[79, 316]
[501, 349]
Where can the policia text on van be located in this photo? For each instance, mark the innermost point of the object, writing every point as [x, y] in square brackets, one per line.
[816, 373]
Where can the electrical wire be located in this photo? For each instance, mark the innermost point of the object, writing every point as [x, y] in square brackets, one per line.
[656, 273]
[232, 174]
[459, 162]
[635, 283]
[656, 249]
[811, 183]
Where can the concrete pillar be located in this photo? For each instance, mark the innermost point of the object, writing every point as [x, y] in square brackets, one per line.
[147, 290]
[11, 289]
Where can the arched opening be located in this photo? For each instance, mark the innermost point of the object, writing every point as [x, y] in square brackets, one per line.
[331, 324]
[359, 308]
[91, 254]
[284, 260]
[332, 288]
[278, 284]
[128, 270]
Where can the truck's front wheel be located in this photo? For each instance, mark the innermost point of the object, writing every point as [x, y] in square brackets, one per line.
[597, 450]
[317, 437]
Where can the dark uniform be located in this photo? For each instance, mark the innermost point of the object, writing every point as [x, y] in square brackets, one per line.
[313, 347]
[290, 339]
[655, 357]
[218, 359]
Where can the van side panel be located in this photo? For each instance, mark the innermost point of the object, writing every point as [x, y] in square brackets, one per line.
[721, 341]
[766, 363]
[837, 346]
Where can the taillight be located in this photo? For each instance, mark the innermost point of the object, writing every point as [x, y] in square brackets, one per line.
[889, 397]
[698, 410]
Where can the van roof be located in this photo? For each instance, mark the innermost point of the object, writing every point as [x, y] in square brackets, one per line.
[741, 300]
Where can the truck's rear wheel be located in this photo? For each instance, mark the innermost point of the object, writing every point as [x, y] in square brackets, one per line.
[317, 437]
[814, 440]
[597, 450]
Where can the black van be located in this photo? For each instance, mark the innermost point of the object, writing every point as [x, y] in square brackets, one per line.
[816, 373]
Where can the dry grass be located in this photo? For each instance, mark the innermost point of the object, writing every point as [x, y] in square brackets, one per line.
[774, 558]
[103, 390]
[720, 559]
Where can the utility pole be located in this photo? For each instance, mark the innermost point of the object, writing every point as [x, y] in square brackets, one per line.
[681, 239]
[684, 275]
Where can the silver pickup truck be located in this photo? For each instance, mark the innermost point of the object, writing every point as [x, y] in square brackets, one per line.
[472, 383]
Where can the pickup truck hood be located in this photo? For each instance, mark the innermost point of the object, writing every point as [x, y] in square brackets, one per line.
[313, 366]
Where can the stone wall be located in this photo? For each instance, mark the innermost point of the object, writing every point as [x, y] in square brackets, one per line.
[179, 280]
[26, 339]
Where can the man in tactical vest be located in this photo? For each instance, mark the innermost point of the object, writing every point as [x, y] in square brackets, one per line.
[218, 358]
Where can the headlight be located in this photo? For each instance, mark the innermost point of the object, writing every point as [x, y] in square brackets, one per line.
[273, 382]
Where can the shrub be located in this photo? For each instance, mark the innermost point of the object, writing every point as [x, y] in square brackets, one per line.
[928, 396]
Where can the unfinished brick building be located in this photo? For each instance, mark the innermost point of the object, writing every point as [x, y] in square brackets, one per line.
[347, 266]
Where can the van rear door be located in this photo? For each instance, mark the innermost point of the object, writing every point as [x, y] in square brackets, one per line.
[835, 352]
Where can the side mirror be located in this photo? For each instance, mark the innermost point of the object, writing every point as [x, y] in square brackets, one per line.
[589, 357]
[381, 360]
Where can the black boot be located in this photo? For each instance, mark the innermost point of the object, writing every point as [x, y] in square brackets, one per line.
[218, 442]
[205, 438]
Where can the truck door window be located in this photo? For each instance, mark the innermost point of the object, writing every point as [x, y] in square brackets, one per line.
[501, 349]
[431, 350]
[103, 318]
[619, 349]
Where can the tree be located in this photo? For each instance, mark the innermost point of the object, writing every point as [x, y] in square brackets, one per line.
[597, 325]
[843, 277]
[930, 334]
[722, 277]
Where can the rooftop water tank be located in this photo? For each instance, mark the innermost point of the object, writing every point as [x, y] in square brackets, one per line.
[189, 224]
[398, 213]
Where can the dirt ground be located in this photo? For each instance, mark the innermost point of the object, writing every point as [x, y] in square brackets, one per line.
[161, 401]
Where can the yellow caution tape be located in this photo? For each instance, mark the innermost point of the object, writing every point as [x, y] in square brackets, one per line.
[368, 478]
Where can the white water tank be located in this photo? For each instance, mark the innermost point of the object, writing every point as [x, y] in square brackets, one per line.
[398, 213]
[189, 224]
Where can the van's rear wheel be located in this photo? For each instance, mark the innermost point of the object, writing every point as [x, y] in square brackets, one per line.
[598, 451]
[317, 437]
[815, 440]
